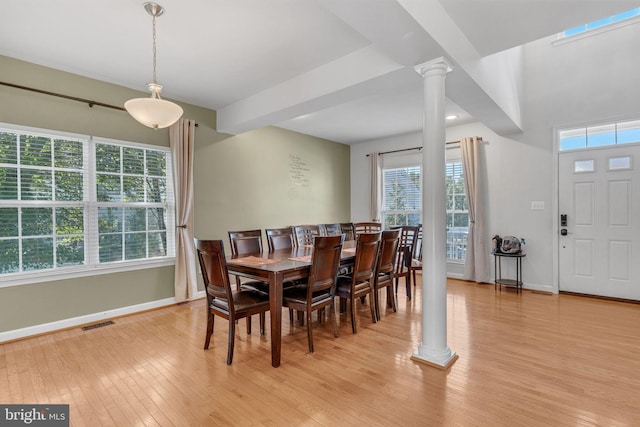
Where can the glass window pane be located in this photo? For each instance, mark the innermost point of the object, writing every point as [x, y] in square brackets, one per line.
[133, 160]
[461, 220]
[35, 150]
[37, 221]
[9, 256]
[8, 222]
[157, 219]
[107, 158]
[583, 166]
[37, 254]
[68, 154]
[69, 221]
[156, 190]
[598, 136]
[8, 148]
[572, 139]
[110, 248]
[157, 244]
[620, 163]
[36, 184]
[628, 132]
[133, 188]
[108, 188]
[135, 219]
[8, 184]
[600, 23]
[109, 220]
[69, 186]
[156, 163]
[461, 203]
[69, 251]
[135, 245]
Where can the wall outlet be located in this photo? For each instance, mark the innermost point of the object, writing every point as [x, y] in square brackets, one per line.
[537, 206]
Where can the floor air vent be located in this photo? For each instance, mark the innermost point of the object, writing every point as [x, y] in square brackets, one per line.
[97, 325]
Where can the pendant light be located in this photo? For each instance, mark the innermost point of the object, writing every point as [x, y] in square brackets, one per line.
[154, 112]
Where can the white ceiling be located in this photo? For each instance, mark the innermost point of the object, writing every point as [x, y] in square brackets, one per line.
[336, 69]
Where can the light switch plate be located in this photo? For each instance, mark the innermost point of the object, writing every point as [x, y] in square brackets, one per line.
[537, 206]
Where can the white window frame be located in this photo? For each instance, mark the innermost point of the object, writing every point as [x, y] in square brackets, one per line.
[92, 266]
[400, 165]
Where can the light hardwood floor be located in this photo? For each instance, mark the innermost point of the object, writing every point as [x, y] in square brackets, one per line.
[530, 359]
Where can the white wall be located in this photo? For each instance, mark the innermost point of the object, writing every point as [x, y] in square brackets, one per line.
[586, 81]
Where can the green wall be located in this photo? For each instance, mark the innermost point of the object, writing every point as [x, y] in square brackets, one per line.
[266, 178]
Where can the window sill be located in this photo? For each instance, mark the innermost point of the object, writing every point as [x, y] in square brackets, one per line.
[17, 279]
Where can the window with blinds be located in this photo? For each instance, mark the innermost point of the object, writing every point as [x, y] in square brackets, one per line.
[72, 203]
[402, 196]
[457, 212]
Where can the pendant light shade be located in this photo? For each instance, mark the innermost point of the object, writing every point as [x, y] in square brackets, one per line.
[154, 111]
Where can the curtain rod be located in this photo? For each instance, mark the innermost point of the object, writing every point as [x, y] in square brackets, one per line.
[60, 95]
[418, 148]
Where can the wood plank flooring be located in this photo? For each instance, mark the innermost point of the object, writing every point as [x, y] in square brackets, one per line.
[530, 359]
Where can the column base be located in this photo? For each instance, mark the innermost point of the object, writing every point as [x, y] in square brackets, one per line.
[439, 361]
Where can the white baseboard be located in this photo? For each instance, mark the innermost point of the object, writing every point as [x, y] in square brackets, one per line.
[87, 319]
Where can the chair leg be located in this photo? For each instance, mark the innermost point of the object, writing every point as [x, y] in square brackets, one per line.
[334, 319]
[207, 338]
[408, 284]
[232, 338]
[376, 303]
[391, 299]
[372, 308]
[248, 325]
[309, 333]
[353, 314]
[262, 317]
[291, 316]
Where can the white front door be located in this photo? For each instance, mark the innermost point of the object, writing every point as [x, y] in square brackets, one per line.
[599, 192]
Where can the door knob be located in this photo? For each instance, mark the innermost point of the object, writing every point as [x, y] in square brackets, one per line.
[564, 232]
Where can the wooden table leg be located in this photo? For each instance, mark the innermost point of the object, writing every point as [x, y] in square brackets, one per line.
[275, 306]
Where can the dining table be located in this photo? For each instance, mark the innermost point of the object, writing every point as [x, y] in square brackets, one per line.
[278, 267]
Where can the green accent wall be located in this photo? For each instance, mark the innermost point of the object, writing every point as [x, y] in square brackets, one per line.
[269, 177]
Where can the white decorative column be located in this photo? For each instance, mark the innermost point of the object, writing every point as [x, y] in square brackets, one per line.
[433, 350]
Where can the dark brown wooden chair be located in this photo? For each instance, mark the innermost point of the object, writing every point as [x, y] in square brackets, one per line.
[416, 256]
[406, 249]
[221, 300]
[320, 288]
[280, 238]
[305, 234]
[367, 227]
[361, 280]
[348, 230]
[330, 230]
[245, 242]
[385, 269]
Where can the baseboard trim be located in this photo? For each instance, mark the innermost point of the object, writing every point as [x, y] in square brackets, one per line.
[73, 322]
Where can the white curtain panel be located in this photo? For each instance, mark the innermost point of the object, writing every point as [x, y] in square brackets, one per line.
[375, 160]
[182, 140]
[476, 266]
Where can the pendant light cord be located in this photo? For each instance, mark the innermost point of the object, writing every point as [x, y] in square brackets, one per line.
[154, 49]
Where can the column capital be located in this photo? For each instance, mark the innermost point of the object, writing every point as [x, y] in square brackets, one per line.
[435, 64]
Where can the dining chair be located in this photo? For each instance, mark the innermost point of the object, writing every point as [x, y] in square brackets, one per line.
[305, 234]
[385, 269]
[416, 256]
[406, 249]
[221, 299]
[361, 280]
[245, 242]
[280, 238]
[348, 230]
[330, 229]
[320, 287]
[367, 227]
